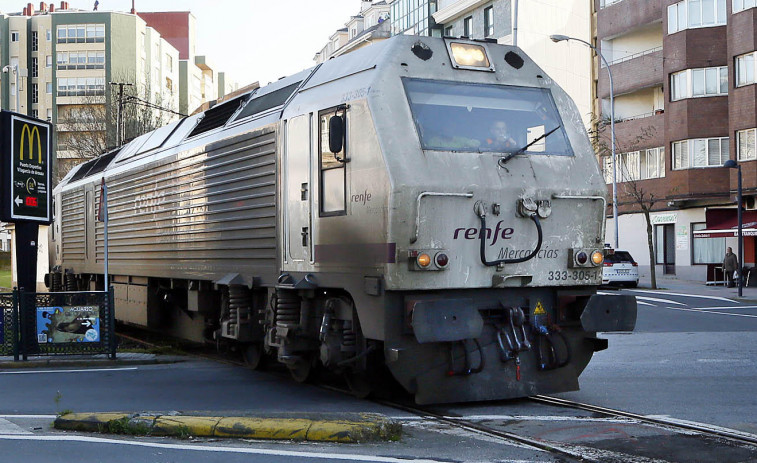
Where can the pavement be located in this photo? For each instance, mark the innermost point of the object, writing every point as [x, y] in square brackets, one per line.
[671, 284]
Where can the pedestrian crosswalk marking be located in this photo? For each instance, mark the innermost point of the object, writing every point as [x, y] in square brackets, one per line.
[7, 428]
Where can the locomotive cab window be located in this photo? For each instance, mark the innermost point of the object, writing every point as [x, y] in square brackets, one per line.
[454, 116]
[333, 127]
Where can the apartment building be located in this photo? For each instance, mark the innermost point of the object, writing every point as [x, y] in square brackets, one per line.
[369, 26]
[683, 74]
[66, 60]
[199, 80]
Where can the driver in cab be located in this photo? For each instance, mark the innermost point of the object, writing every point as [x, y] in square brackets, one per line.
[499, 138]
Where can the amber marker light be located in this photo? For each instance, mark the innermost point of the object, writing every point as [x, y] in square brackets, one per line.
[424, 260]
[597, 257]
[469, 54]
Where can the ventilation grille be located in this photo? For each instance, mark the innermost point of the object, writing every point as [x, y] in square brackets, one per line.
[268, 101]
[94, 166]
[217, 116]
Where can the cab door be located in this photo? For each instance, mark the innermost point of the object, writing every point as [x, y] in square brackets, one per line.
[298, 189]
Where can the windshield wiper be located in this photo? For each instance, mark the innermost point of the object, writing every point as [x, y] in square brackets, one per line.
[509, 156]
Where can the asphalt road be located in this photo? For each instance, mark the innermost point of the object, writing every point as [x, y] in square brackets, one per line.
[691, 357]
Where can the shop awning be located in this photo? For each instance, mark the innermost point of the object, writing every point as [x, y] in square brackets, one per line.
[724, 223]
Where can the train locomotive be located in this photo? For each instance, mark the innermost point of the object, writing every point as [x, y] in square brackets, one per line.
[424, 209]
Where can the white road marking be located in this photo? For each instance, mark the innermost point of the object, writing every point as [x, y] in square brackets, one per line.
[717, 298]
[732, 307]
[92, 370]
[208, 448]
[538, 418]
[31, 417]
[712, 311]
[6, 427]
[655, 299]
[645, 303]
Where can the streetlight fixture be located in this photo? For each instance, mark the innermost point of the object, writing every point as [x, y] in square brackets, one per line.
[731, 164]
[14, 70]
[563, 38]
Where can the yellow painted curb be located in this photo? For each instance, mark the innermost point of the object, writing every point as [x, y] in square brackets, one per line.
[365, 427]
[263, 428]
[184, 426]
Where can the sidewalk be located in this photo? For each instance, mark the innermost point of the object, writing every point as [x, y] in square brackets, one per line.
[666, 283]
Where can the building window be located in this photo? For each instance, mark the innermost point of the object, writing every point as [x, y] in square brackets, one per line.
[49, 115]
[169, 63]
[48, 61]
[745, 67]
[35, 41]
[35, 67]
[81, 86]
[169, 84]
[706, 250]
[14, 36]
[35, 113]
[48, 87]
[468, 26]
[81, 33]
[489, 21]
[637, 165]
[745, 145]
[48, 34]
[693, 83]
[741, 5]
[700, 152]
[690, 14]
[448, 31]
[35, 94]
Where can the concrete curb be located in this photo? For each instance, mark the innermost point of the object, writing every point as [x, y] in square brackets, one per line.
[342, 428]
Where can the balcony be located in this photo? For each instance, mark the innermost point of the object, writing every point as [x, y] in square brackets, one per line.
[634, 72]
[626, 15]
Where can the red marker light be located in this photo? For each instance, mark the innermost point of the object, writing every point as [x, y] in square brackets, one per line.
[30, 201]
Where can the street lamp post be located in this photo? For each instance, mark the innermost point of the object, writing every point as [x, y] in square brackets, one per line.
[560, 38]
[731, 164]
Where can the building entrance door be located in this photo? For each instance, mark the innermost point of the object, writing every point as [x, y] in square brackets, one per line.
[669, 253]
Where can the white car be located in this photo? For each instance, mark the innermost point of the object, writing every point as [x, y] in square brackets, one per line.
[620, 269]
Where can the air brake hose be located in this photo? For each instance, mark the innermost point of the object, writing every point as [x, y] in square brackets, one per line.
[482, 239]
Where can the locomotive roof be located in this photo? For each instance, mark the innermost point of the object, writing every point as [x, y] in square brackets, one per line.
[260, 106]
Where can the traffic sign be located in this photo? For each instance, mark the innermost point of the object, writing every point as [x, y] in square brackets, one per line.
[26, 156]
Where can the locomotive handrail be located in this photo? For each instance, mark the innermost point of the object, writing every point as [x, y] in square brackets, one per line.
[418, 208]
[594, 198]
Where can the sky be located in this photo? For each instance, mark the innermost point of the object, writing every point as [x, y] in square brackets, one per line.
[250, 40]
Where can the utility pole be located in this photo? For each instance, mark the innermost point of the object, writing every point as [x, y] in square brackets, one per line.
[120, 113]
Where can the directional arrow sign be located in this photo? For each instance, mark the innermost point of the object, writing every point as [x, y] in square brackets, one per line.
[18, 201]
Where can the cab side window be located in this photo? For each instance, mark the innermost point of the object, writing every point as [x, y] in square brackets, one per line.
[332, 169]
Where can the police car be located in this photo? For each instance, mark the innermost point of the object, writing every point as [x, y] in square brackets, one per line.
[620, 269]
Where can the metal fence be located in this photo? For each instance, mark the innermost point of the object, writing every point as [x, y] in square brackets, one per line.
[63, 323]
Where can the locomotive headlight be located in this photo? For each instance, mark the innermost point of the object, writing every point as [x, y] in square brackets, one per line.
[469, 55]
[424, 260]
[597, 257]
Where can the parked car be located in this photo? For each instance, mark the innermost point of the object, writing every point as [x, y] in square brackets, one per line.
[620, 269]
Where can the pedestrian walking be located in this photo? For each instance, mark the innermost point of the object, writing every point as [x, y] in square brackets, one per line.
[730, 265]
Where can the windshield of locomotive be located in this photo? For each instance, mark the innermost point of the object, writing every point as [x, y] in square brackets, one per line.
[453, 116]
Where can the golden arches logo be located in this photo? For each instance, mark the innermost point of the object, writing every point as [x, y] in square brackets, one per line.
[30, 132]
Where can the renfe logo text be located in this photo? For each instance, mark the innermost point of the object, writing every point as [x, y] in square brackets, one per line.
[476, 233]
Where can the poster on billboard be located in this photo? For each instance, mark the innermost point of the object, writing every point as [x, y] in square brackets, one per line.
[68, 324]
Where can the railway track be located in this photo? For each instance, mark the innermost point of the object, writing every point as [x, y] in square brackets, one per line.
[717, 443]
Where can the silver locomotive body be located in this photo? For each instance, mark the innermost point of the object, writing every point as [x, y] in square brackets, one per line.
[364, 213]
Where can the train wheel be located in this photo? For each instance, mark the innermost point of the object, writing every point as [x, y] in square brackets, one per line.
[359, 384]
[253, 355]
[301, 369]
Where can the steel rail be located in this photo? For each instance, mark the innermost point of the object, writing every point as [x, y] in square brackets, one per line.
[701, 428]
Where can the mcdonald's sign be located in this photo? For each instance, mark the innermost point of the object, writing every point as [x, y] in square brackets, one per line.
[26, 169]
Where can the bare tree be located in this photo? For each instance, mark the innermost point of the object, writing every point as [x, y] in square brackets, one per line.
[635, 192]
[88, 128]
